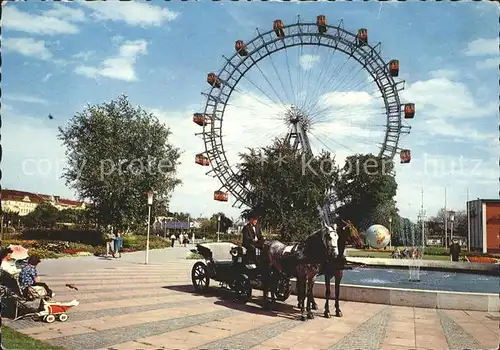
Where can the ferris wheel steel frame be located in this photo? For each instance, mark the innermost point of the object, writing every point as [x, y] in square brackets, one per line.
[264, 45]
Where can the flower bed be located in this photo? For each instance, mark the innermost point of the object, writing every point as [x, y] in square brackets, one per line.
[481, 259]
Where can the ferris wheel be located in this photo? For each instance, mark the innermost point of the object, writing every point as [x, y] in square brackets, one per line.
[301, 107]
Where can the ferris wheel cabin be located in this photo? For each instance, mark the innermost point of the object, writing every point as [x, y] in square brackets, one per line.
[213, 80]
[241, 48]
[221, 196]
[201, 119]
[409, 110]
[321, 23]
[362, 37]
[394, 68]
[278, 28]
[405, 156]
[202, 160]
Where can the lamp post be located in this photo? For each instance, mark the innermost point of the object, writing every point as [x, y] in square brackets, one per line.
[452, 220]
[150, 194]
[390, 232]
[218, 229]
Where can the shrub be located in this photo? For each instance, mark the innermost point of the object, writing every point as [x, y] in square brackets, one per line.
[136, 242]
[235, 240]
[44, 254]
[437, 251]
[194, 256]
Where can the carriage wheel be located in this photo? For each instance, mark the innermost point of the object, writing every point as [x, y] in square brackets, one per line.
[283, 288]
[199, 277]
[63, 317]
[243, 288]
[50, 318]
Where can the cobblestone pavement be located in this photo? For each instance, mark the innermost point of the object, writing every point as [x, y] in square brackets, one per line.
[125, 304]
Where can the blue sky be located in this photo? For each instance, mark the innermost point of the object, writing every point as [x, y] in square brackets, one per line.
[59, 57]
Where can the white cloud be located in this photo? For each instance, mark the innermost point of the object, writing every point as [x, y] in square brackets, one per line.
[482, 47]
[121, 66]
[47, 77]
[489, 63]
[444, 73]
[308, 61]
[28, 47]
[25, 99]
[84, 55]
[442, 98]
[441, 127]
[66, 12]
[55, 21]
[132, 13]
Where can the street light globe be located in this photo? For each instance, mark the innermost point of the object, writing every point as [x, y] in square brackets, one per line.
[390, 219]
[150, 194]
[452, 216]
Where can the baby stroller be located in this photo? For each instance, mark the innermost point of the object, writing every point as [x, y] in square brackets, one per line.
[51, 310]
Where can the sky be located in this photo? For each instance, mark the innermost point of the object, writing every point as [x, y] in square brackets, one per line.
[60, 57]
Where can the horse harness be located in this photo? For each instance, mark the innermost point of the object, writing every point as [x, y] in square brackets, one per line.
[287, 252]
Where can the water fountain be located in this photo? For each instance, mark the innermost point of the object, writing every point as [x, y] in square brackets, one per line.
[415, 260]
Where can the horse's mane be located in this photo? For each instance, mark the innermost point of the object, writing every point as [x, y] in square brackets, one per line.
[351, 235]
[310, 248]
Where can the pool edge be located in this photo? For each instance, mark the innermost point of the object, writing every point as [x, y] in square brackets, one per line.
[434, 299]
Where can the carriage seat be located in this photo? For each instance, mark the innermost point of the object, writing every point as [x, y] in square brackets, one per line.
[217, 252]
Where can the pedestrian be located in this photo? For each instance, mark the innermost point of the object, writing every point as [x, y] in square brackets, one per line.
[181, 239]
[455, 251]
[110, 243]
[172, 239]
[118, 244]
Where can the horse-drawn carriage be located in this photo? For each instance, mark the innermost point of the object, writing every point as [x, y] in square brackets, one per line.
[229, 265]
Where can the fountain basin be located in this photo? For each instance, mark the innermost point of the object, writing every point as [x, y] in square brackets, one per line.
[436, 289]
[440, 265]
[448, 281]
[435, 299]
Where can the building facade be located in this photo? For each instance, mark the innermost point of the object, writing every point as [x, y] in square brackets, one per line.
[484, 221]
[23, 203]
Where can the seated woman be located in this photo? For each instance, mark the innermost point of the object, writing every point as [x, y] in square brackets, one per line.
[28, 277]
[7, 265]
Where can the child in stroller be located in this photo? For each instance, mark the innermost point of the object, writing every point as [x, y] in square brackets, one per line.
[28, 277]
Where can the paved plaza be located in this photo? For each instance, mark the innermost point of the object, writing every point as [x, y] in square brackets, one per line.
[125, 304]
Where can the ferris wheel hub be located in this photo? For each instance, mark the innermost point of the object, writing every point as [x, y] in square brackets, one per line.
[296, 116]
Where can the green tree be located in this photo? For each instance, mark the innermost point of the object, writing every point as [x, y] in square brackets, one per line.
[45, 215]
[115, 153]
[436, 223]
[225, 222]
[367, 188]
[287, 187]
[70, 216]
[212, 224]
[11, 216]
[180, 216]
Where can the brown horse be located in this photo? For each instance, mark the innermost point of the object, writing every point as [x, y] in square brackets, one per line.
[303, 261]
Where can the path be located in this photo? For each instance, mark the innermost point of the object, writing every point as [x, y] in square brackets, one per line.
[125, 304]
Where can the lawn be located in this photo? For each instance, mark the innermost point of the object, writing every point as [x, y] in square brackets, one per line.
[387, 255]
[15, 340]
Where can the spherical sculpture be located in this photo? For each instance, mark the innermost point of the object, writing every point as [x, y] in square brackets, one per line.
[378, 236]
